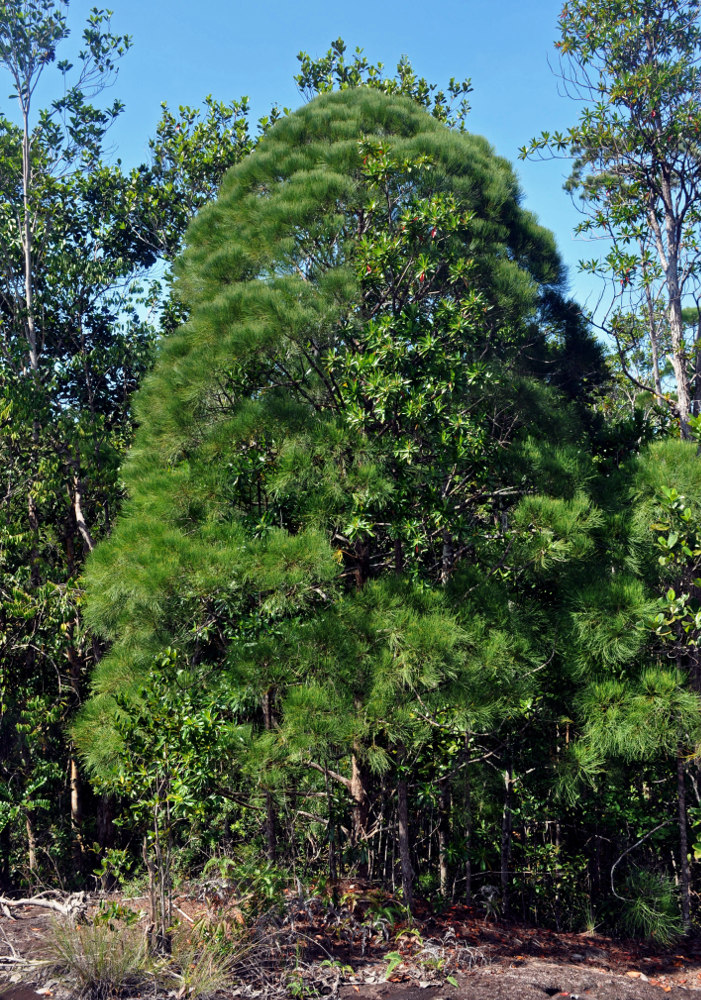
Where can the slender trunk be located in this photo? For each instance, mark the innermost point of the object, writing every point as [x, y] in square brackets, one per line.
[105, 822]
[679, 365]
[159, 868]
[88, 541]
[403, 837]
[76, 666]
[5, 849]
[152, 897]
[696, 378]
[270, 820]
[669, 258]
[683, 845]
[333, 868]
[359, 794]
[33, 518]
[654, 336]
[30, 319]
[31, 844]
[444, 836]
[362, 564]
[77, 847]
[468, 824]
[447, 555]
[105, 836]
[506, 829]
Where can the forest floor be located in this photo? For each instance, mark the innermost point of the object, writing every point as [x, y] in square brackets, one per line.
[457, 955]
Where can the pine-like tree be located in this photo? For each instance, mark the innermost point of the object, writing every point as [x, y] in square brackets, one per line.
[336, 435]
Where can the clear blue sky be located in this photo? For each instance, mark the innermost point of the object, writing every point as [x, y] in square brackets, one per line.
[186, 49]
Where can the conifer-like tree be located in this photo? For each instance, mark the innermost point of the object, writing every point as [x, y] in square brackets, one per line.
[340, 428]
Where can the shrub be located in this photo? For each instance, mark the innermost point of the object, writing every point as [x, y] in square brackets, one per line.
[652, 911]
[198, 967]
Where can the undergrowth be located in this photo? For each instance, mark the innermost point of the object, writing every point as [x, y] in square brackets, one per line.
[99, 961]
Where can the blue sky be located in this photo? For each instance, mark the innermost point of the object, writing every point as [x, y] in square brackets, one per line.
[186, 49]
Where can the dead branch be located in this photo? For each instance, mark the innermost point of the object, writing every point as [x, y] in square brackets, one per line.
[73, 905]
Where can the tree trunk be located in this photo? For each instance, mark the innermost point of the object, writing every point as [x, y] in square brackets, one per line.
[31, 845]
[679, 364]
[654, 340]
[105, 835]
[403, 837]
[77, 847]
[506, 829]
[359, 794]
[468, 824]
[444, 836]
[270, 819]
[683, 845]
[669, 259]
[30, 318]
[77, 667]
[447, 557]
[33, 519]
[105, 822]
[5, 849]
[696, 378]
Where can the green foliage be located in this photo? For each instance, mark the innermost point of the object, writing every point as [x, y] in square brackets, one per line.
[652, 910]
[332, 72]
[168, 767]
[63, 397]
[333, 513]
[301, 426]
[258, 886]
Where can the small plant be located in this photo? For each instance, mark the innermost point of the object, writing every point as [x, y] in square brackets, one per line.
[115, 866]
[393, 959]
[412, 934]
[336, 972]
[652, 909]
[111, 913]
[198, 968]
[99, 960]
[299, 988]
[491, 902]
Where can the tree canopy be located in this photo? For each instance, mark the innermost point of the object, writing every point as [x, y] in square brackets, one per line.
[333, 406]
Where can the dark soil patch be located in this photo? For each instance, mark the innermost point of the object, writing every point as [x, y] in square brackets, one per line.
[19, 993]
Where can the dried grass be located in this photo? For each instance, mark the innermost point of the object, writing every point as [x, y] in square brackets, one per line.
[98, 961]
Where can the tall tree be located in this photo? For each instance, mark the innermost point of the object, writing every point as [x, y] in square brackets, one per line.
[338, 427]
[634, 65]
[67, 367]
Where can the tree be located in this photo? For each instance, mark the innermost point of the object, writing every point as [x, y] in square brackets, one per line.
[79, 239]
[69, 344]
[342, 423]
[637, 626]
[78, 319]
[637, 167]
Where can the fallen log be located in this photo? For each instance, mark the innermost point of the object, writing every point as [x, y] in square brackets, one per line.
[71, 905]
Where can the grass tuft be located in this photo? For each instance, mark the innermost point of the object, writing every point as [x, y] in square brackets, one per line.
[99, 961]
